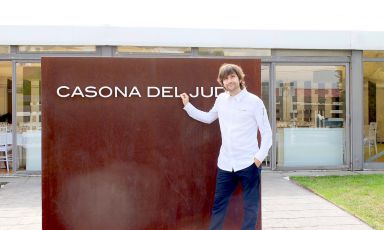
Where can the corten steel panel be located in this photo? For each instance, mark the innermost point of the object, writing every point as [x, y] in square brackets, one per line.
[131, 163]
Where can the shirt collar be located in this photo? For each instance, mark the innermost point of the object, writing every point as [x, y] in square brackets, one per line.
[240, 95]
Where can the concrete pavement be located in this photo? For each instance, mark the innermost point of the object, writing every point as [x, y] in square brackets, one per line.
[285, 205]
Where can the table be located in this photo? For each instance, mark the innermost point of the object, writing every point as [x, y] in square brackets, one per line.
[30, 142]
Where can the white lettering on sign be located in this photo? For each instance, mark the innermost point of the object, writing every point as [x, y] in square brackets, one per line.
[59, 90]
[135, 92]
[91, 91]
[152, 91]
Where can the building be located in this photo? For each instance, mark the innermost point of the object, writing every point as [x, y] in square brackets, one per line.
[323, 89]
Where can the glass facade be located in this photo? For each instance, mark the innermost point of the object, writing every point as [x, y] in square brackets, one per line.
[309, 102]
[310, 115]
[373, 107]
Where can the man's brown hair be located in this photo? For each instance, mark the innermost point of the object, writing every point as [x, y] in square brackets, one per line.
[228, 69]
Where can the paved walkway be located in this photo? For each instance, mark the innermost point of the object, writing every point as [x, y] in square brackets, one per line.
[285, 205]
[289, 206]
[20, 203]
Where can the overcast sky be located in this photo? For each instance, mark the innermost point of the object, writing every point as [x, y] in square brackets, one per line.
[365, 15]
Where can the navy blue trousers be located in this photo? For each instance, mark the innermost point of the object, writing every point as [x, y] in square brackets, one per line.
[226, 183]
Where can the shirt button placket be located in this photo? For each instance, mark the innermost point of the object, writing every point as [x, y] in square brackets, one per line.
[231, 114]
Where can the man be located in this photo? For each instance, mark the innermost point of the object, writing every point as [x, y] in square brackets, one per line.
[241, 114]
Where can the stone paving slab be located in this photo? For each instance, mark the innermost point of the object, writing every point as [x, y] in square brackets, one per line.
[20, 203]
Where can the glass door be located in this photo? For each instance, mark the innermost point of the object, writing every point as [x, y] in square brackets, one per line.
[28, 115]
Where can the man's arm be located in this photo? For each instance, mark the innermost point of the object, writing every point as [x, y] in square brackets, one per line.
[265, 131]
[206, 117]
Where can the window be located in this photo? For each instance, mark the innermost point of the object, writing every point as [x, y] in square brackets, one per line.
[51, 49]
[373, 54]
[373, 116]
[154, 50]
[4, 49]
[310, 130]
[234, 52]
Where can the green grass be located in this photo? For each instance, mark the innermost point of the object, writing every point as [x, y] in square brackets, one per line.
[360, 195]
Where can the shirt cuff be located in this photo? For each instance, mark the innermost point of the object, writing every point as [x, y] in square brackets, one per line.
[258, 157]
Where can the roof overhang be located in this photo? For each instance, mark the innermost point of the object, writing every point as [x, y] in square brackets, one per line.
[179, 37]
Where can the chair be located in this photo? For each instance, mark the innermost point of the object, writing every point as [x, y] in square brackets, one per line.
[371, 138]
[5, 148]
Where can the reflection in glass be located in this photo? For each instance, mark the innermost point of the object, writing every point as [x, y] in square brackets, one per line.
[28, 113]
[6, 117]
[233, 52]
[154, 50]
[373, 54]
[47, 49]
[310, 115]
[311, 53]
[373, 115]
[5, 49]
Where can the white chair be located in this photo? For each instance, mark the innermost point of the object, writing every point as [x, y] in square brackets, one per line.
[5, 148]
[371, 138]
[266, 161]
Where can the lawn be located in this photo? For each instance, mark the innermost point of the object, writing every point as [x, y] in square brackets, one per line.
[360, 195]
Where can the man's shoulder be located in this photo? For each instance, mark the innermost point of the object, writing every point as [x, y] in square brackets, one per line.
[254, 102]
[253, 98]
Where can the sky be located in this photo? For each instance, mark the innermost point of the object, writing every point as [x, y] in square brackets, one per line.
[367, 15]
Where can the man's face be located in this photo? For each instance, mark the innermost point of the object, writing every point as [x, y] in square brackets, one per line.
[231, 83]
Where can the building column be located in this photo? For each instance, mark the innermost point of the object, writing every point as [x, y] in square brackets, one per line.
[357, 109]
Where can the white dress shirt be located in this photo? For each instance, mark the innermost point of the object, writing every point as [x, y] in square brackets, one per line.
[240, 117]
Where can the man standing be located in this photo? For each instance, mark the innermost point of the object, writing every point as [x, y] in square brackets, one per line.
[241, 114]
